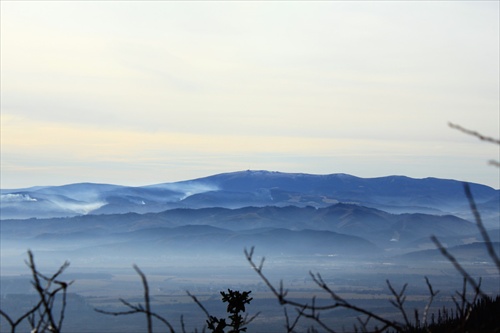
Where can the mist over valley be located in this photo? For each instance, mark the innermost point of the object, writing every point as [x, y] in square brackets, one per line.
[190, 235]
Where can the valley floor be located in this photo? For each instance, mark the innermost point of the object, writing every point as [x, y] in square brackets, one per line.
[362, 282]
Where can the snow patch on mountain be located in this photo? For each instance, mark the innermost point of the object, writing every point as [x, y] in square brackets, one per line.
[16, 197]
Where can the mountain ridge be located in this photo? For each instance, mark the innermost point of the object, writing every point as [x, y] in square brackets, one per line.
[251, 188]
[375, 225]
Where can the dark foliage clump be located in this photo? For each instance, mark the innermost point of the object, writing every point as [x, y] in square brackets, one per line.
[236, 303]
[483, 317]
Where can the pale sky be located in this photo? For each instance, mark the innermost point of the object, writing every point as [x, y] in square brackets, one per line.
[139, 93]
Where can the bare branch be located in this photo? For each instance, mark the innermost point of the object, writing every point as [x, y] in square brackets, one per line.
[494, 163]
[480, 226]
[247, 321]
[13, 324]
[290, 327]
[199, 304]
[431, 299]
[399, 300]
[474, 133]
[140, 308]
[183, 325]
[457, 265]
[146, 298]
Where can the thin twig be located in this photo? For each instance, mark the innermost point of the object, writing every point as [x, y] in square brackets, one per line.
[199, 304]
[474, 133]
[146, 298]
[13, 324]
[480, 226]
[431, 298]
[400, 300]
[457, 265]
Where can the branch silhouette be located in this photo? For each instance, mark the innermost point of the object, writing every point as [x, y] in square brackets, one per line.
[41, 316]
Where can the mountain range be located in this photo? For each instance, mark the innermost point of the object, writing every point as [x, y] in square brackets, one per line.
[279, 213]
[394, 194]
[344, 230]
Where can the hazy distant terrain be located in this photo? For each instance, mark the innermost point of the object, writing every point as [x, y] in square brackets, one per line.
[396, 194]
[190, 236]
[281, 214]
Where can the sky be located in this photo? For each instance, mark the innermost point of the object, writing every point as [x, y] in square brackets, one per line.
[138, 93]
